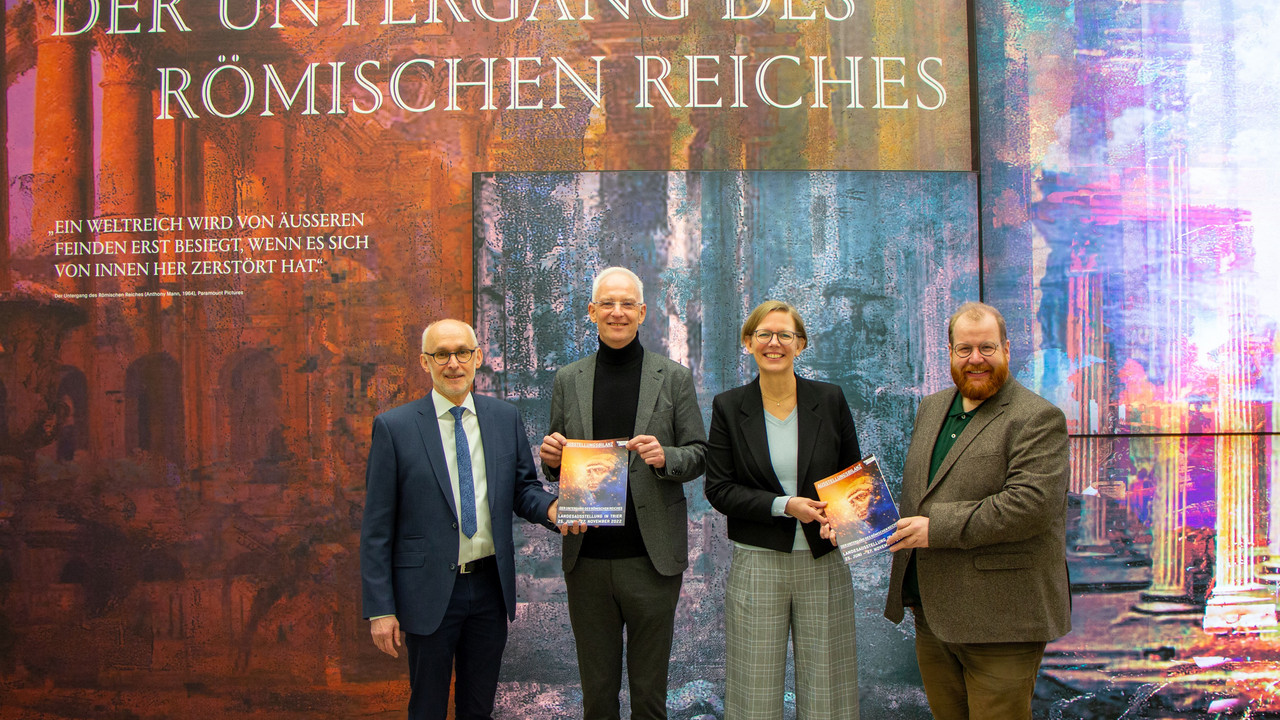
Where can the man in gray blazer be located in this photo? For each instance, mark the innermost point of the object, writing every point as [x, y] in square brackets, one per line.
[980, 551]
[627, 577]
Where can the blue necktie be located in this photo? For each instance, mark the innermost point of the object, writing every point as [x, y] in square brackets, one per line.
[466, 487]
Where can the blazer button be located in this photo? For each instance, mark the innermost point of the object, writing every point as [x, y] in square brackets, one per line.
[453, 566]
[455, 526]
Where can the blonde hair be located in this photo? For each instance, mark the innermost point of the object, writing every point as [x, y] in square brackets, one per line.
[757, 316]
[975, 311]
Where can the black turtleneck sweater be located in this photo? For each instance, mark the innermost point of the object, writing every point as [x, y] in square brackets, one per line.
[615, 397]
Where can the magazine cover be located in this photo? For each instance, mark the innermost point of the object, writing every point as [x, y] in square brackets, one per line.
[861, 509]
[593, 482]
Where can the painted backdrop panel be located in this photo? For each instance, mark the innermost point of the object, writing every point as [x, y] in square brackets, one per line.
[874, 262]
[1130, 234]
[223, 228]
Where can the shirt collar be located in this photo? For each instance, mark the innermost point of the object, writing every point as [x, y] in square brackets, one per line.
[957, 407]
[443, 404]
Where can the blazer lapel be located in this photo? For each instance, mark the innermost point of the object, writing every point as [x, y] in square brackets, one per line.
[810, 425]
[650, 387]
[429, 429]
[754, 435]
[929, 424]
[584, 386]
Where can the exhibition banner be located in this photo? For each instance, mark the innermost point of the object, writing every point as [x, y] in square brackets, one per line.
[226, 224]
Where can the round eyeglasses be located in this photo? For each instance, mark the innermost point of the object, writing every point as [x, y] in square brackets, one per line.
[785, 337]
[628, 306]
[985, 349]
[442, 358]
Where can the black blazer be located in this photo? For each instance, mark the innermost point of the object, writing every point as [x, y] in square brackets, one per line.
[740, 478]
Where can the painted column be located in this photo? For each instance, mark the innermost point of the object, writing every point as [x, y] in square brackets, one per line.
[1168, 593]
[62, 182]
[1239, 603]
[127, 176]
[1086, 350]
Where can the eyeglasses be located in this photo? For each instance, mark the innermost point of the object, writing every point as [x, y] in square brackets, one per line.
[786, 337]
[442, 358]
[609, 305]
[985, 349]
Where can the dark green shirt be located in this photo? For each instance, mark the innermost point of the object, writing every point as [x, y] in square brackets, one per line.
[957, 419]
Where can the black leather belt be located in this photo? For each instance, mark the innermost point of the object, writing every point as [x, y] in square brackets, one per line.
[483, 563]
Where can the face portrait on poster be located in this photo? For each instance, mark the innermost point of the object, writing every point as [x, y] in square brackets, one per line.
[860, 508]
[593, 482]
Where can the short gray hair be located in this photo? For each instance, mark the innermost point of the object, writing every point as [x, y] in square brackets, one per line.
[595, 285]
[474, 340]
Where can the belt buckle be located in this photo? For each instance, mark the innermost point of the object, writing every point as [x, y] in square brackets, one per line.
[467, 568]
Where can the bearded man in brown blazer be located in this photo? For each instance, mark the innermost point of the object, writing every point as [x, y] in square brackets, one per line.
[980, 552]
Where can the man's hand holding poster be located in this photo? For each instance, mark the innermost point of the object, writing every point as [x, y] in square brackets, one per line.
[593, 482]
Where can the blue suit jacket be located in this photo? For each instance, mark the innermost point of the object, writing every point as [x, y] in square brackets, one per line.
[409, 539]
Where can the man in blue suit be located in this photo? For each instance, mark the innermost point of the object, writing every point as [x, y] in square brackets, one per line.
[445, 474]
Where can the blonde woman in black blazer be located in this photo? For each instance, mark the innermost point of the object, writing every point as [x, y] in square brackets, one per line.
[770, 441]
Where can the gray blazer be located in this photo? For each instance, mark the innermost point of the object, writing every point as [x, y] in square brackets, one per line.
[995, 569]
[668, 410]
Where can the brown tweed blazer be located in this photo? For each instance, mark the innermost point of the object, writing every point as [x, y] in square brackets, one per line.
[995, 569]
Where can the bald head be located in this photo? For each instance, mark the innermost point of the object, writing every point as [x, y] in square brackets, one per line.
[455, 342]
[429, 334]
